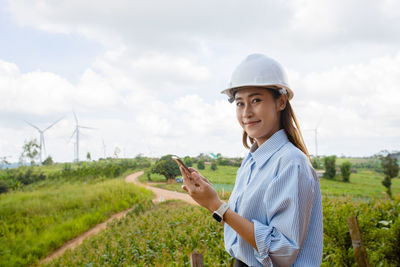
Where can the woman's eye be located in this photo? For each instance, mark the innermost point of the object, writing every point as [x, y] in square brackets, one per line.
[239, 104]
[255, 100]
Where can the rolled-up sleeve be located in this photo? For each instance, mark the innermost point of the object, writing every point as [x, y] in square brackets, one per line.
[288, 200]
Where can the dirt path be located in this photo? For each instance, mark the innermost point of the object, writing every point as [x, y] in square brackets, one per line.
[161, 195]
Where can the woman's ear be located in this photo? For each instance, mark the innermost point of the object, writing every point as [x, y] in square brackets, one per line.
[281, 102]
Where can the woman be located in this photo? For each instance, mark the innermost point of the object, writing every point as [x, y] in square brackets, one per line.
[274, 214]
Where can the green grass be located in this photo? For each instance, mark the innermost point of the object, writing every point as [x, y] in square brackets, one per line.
[223, 175]
[36, 222]
[364, 183]
[163, 236]
[172, 187]
[155, 177]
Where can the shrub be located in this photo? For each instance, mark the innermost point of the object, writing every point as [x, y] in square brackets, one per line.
[237, 164]
[223, 161]
[200, 165]
[3, 187]
[345, 168]
[188, 161]
[213, 166]
[330, 168]
[316, 163]
[48, 161]
[391, 170]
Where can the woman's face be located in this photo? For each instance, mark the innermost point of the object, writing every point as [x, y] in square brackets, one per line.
[258, 112]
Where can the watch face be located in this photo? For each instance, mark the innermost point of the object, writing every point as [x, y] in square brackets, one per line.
[217, 217]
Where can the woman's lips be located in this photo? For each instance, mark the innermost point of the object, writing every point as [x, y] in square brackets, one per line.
[251, 123]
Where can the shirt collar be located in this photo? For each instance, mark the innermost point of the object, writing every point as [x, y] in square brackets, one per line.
[263, 153]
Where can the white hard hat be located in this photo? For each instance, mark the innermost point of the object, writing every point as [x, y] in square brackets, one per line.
[260, 71]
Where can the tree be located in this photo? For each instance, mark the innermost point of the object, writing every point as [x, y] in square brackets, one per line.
[117, 150]
[30, 150]
[48, 161]
[166, 166]
[3, 162]
[88, 156]
[330, 166]
[345, 169]
[390, 170]
[200, 165]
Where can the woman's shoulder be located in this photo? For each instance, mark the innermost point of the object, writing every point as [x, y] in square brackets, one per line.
[289, 153]
[291, 163]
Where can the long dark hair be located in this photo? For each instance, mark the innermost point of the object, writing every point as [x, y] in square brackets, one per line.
[288, 122]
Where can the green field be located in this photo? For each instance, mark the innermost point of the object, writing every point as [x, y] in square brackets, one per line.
[39, 217]
[170, 232]
[35, 222]
[163, 236]
[223, 175]
[365, 183]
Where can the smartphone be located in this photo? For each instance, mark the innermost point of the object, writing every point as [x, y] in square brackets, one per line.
[180, 163]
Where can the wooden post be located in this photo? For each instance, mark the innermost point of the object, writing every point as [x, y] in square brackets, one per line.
[196, 260]
[359, 250]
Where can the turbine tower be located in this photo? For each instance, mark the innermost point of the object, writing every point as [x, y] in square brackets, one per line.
[316, 136]
[41, 132]
[76, 132]
[104, 148]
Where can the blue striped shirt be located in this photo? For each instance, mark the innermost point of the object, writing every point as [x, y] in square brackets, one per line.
[277, 189]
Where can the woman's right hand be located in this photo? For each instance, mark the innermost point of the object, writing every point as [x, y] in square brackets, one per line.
[200, 189]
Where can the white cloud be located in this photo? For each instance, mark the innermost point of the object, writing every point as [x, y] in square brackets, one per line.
[335, 22]
[123, 112]
[356, 102]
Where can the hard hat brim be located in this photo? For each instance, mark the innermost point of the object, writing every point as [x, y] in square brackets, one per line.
[230, 91]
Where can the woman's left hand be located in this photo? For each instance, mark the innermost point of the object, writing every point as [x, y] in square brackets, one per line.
[200, 189]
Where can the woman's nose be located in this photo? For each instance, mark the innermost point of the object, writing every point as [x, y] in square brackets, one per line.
[247, 111]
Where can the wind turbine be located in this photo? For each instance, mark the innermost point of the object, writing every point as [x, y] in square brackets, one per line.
[316, 136]
[41, 132]
[104, 148]
[76, 132]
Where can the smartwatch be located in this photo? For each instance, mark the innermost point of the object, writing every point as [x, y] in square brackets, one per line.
[219, 213]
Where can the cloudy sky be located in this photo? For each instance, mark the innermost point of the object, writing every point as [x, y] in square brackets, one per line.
[147, 74]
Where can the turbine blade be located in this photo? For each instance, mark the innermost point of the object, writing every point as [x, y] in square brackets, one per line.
[72, 135]
[76, 119]
[85, 127]
[32, 125]
[53, 123]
